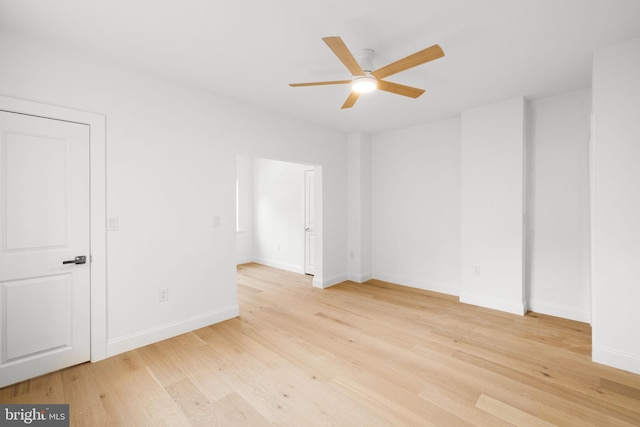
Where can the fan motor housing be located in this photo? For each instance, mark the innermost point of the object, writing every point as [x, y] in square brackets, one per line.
[365, 59]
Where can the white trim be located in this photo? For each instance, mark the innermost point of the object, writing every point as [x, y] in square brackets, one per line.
[153, 335]
[327, 283]
[592, 214]
[617, 359]
[360, 278]
[97, 144]
[515, 307]
[281, 265]
[441, 288]
[556, 310]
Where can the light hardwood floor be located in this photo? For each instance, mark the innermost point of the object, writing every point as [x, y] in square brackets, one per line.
[372, 354]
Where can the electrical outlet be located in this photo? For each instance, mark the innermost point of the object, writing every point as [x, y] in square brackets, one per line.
[112, 223]
[163, 295]
[476, 270]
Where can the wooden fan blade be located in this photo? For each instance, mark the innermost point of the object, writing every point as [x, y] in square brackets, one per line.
[411, 92]
[342, 52]
[351, 99]
[334, 82]
[418, 58]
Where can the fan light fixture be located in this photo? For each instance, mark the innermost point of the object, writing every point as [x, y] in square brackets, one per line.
[364, 84]
[365, 78]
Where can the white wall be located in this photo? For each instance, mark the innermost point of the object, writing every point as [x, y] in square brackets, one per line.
[171, 169]
[416, 206]
[557, 230]
[359, 207]
[244, 236]
[492, 206]
[616, 206]
[558, 257]
[278, 214]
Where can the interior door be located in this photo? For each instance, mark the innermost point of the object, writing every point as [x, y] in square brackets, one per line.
[44, 225]
[309, 223]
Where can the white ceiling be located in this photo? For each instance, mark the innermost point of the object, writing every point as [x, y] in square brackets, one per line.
[252, 49]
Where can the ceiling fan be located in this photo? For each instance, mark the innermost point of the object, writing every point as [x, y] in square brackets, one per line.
[365, 79]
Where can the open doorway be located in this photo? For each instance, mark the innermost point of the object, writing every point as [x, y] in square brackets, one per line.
[278, 207]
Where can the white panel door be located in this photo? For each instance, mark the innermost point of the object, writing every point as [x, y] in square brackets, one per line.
[44, 226]
[309, 223]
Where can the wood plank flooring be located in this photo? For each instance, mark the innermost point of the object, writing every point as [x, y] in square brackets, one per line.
[372, 354]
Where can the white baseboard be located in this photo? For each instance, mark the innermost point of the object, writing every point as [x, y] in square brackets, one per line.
[564, 312]
[360, 278]
[326, 283]
[616, 359]
[515, 307]
[440, 288]
[244, 260]
[282, 266]
[150, 336]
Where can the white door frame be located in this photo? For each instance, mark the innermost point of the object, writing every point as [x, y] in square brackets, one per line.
[97, 146]
[307, 215]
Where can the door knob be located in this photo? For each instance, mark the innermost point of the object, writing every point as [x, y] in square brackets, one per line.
[307, 229]
[77, 260]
